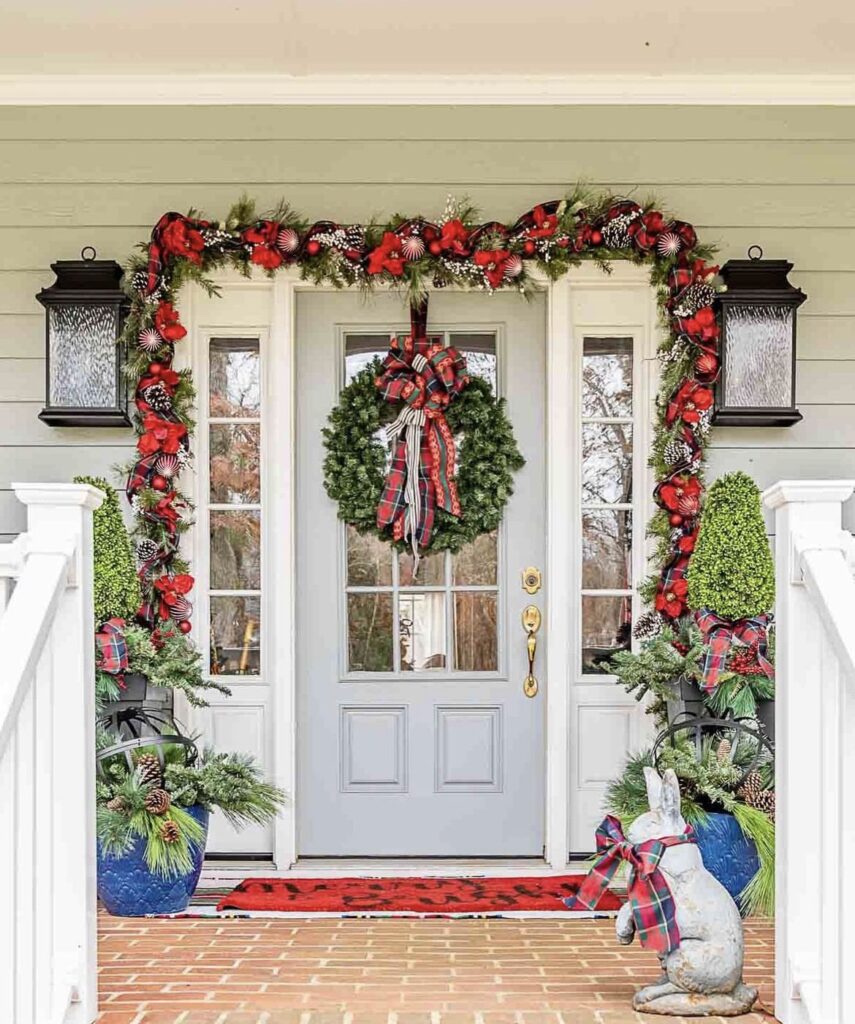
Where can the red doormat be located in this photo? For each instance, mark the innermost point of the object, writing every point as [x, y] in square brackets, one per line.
[443, 897]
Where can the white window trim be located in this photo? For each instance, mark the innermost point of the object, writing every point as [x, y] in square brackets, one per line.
[562, 570]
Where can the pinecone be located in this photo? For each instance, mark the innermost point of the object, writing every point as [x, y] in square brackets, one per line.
[158, 397]
[765, 802]
[751, 788]
[158, 801]
[647, 626]
[149, 770]
[723, 752]
[615, 233]
[676, 451]
[170, 832]
[117, 804]
[693, 298]
[140, 280]
[146, 549]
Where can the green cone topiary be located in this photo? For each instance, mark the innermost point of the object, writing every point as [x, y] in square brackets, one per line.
[117, 588]
[731, 571]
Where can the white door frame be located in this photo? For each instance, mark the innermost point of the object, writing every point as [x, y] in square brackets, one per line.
[559, 570]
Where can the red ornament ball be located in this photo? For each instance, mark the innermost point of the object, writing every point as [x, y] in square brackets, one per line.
[428, 233]
[529, 248]
[675, 520]
[596, 237]
[159, 483]
[435, 248]
[185, 625]
[155, 368]
[313, 247]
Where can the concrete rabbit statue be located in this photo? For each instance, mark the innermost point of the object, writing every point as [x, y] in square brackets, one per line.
[702, 976]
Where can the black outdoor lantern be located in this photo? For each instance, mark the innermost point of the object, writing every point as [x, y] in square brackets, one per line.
[86, 309]
[757, 314]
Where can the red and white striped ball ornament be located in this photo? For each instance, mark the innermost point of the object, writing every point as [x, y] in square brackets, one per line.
[167, 466]
[181, 609]
[149, 340]
[668, 244]
[288, 240]
[413, 247]
[513, 266]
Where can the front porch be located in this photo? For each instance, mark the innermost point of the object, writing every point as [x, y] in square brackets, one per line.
[395, 970]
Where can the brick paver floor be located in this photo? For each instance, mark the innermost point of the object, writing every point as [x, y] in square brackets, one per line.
[392, 971]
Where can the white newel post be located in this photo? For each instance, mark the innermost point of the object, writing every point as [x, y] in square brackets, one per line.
[59, 518]
[810, 853]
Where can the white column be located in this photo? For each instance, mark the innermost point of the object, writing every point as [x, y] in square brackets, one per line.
[59, 518]
[802, 509]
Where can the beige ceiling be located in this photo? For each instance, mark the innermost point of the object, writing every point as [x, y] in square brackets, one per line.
[458, 37]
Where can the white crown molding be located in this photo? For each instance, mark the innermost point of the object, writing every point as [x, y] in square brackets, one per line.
[421, 90]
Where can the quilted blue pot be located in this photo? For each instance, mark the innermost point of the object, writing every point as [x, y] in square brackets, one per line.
[727, 854]
[127, 888]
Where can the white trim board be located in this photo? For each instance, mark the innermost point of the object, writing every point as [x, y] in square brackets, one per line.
[427, 90]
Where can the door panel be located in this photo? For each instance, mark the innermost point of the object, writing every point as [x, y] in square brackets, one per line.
[414, 735]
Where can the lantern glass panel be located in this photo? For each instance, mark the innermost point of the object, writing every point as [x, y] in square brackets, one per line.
[83, 356]
[758, 356]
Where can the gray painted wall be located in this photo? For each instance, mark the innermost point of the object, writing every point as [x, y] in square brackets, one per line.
[781, 177]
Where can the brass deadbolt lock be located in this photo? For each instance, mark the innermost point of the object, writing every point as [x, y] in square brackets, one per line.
[532, 580]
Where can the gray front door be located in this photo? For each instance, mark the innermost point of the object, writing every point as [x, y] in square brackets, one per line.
[415, 737]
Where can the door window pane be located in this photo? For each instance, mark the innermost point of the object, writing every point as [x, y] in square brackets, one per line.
[476, 564]
[235, 635]
[476, 642]
[421, 626]
[360, 350]
[234, 463]
[234, 382]
[369, 632]
[606, 549]
[606, 629]
[481, 358]
[607, 463]
[369, 560]
[236, 550]
[607, 377]
[431, 571]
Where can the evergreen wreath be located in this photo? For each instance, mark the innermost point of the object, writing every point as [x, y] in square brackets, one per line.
[355, 462]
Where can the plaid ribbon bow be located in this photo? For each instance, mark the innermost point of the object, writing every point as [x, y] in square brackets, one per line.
[426, 378]
[721, 634]
[113, 648]
[649, 896]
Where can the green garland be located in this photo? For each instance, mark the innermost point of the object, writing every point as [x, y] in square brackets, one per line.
[355, 463]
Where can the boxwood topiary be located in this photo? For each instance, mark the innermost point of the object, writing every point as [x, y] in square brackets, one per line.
[117, 588]
[731, 571]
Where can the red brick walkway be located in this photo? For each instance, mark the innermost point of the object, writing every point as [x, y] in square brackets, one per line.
[393, 971]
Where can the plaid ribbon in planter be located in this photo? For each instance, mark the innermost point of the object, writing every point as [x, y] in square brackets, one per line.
[426, 378]
[721, 634]
[113, 649]
[649, 896]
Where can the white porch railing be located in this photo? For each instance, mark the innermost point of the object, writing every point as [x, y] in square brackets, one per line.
[815, 766]
[47, 801]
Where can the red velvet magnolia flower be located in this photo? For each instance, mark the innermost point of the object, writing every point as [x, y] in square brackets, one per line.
[686, 545]
[671, 598]
[387, 256]
[262, 237]
[181, 239]
[647, 229]
[702, 326]
[493, 263]
[167, 323]
[681, 494]
[545, 224]
[160, 435]
[688, 403]
[171, 590]
[453, 237]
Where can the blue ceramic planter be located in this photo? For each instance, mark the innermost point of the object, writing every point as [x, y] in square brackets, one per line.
[727, 854]
[127, 888]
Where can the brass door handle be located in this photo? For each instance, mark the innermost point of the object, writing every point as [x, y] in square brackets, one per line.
[531, 624]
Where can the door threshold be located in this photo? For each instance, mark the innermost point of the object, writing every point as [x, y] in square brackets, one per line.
[223, 872]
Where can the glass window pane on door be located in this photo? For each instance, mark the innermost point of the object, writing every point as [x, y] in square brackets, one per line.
[476, 641]
[606, 629]
[235, 554]
[369, 560]
[235, 465]
[369, 633]
[235, 631]
[607, 377]
[606, 549]
[421, 631]
[233, 378]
